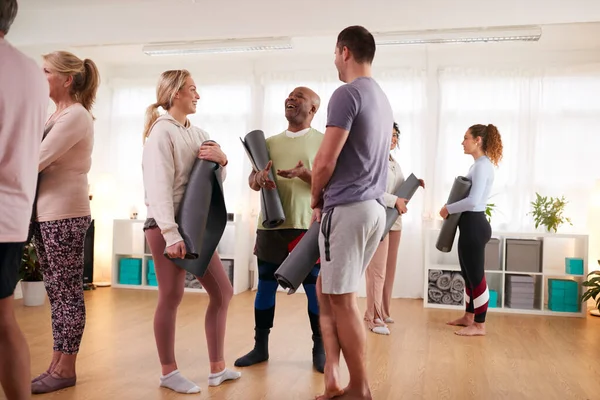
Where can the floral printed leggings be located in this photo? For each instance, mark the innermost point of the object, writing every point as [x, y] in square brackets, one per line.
[59, 245]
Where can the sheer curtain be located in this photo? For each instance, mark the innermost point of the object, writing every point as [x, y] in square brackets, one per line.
[223, 111]
[547, 122]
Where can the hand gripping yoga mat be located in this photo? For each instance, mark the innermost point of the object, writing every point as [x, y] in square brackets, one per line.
[301, 260]
[202, 216]
[256, 147]
[460, 190]
[406, 191]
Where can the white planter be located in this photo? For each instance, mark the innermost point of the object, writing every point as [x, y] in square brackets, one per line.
[34, 293]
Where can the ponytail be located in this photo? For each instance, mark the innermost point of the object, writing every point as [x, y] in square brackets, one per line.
[91, 81]
[152, 115]
[492, 144]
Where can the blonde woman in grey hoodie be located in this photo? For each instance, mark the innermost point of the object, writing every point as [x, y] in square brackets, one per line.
[171, 147]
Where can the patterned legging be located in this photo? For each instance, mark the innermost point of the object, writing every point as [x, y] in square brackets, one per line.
[59, 245]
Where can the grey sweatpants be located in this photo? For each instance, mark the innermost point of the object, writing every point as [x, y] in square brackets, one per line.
[349, 237]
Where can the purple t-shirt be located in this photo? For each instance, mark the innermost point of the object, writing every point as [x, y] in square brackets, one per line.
[362, 108]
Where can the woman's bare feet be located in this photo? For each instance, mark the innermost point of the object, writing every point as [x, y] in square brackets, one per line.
[476, 329]
[465, 320]
[332, 383]
[356, 394]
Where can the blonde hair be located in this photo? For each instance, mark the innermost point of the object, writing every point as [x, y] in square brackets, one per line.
[86, 78]
[169, 83]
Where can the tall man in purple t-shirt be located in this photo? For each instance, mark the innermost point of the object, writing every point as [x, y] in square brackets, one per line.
[348, 182]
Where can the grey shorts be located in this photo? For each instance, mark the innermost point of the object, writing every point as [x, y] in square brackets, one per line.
[349, 236]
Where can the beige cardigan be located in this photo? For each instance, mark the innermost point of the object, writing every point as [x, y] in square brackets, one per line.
[65, 160]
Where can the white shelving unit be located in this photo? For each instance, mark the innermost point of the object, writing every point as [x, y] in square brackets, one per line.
[129, 242]
[555, 248]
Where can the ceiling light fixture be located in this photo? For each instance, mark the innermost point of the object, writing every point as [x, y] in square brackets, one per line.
[477, 35]
[218, 46]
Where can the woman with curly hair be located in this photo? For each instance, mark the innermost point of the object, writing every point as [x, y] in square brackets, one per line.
[485, 145]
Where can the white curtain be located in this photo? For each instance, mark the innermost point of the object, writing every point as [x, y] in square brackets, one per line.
[548, 121]
[548, 125]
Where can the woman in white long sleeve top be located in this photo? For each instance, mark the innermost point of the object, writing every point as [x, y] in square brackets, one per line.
[381, 271]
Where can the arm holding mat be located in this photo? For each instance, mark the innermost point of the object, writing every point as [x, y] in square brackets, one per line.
[301, 260]
[405, 191]
[256, 147]
[460, 190]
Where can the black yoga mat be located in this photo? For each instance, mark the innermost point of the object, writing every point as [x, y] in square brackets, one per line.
[406, 191]
[202, 216]
[460, 190]
[256, 147]
[301, 260]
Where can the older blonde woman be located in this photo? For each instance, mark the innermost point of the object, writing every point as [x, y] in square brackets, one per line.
[381, 271]
[63, 208]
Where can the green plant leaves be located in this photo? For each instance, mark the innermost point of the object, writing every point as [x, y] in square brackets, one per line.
[548, 212]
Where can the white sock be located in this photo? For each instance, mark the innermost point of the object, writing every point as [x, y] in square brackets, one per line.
[382, 330]
[220, 377]
[178, 383]
[389, 320]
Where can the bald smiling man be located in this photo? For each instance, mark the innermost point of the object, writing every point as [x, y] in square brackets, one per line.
[292, 153]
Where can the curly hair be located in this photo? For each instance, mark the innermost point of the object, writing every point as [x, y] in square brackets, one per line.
[491, 141]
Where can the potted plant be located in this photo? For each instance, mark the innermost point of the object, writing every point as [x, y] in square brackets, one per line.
[548, 212]
[489, 209]
[593, 291]
[32, 285]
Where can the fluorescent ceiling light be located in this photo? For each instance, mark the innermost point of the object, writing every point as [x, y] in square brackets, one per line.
[478, 35]
[218, 46]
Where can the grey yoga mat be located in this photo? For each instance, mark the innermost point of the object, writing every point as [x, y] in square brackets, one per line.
[301, 260]
[256, 147]
[202, 216]
[460, 190]
[406, 191]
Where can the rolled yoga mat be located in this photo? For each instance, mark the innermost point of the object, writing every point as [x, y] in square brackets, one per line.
[301, 260]
[256, 147]
[406, 191]
[460, 190]
[202, 216]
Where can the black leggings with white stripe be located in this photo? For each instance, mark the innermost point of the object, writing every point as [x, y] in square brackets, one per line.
[475, 232]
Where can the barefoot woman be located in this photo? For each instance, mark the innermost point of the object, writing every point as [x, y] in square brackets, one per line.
[485, 145]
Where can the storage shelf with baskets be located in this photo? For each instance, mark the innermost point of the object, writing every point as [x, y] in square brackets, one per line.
[527, 273]
[133, 266]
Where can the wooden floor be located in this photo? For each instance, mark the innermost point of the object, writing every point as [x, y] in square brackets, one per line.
[523, 357]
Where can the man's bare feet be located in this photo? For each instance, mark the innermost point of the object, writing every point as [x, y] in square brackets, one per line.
[465, 320]
[332, 383]
[473, 330]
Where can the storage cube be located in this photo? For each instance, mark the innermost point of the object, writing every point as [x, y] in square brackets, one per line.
[524, 255]
[130, 271]
[574, 266]
[493, 302]
[492, 255]
[563, 295]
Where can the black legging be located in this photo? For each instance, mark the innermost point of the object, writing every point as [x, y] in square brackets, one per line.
[475, 232]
